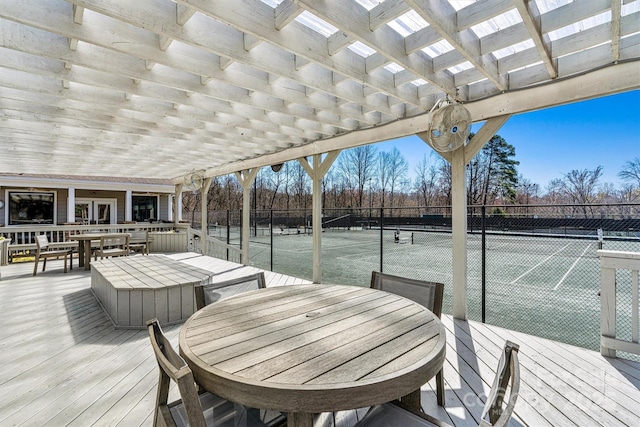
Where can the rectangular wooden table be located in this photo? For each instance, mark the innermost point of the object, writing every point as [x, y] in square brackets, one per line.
[307, 349]
[135, 289]
[84, 247]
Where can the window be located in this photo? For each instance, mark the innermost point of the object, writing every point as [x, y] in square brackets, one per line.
[145, 208]
[27, 207]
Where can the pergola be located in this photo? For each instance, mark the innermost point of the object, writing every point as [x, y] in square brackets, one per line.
[161, 88]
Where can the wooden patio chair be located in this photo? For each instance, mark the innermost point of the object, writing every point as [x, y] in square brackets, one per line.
[207, 294]
[508, 373]
[195, 409]
[428, 294]
[43, 253]
[112, 245]
[139, 242]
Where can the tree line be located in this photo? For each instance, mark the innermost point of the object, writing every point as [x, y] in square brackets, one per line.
[364, 177]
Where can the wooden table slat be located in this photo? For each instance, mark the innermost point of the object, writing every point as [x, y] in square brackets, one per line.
[421, 338]
[303, 332]
[343, 352]
[296, 320]
[245, 316]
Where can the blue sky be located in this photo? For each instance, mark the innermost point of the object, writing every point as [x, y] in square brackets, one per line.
[550, 143]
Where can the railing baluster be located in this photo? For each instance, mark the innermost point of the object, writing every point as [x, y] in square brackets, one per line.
[610, 262]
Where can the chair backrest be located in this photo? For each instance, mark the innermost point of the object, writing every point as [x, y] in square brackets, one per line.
[42, 242]
[173, 367]
[428, 294]
[508, 372]
[116, 240]
[207, 294]
[139, 236]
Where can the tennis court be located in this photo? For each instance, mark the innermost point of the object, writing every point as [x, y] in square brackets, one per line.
[546, 286]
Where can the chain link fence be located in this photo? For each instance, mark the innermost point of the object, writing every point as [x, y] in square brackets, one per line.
[533, 269]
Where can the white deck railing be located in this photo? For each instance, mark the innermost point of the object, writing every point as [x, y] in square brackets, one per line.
[23, 237]
[167, 237]
[610, 263]
[214, 247]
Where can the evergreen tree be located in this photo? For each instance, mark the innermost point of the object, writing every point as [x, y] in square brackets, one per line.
[492, 173]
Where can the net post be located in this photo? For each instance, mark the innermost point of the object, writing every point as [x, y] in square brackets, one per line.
[600, 238]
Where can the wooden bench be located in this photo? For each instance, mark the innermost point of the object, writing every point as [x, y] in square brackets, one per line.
[14, 248]
[135, 289]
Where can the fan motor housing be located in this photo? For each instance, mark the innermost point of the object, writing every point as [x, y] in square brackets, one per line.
[450, 127]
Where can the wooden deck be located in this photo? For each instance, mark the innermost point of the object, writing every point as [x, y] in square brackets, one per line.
[63, 363]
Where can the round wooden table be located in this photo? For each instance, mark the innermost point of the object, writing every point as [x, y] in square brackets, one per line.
[307, 349]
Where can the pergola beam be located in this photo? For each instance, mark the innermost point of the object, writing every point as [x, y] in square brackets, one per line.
[602, 82]
[281, 79]
[441, 15]
[532, 20]
[284, 13]
[616, 11]
[350, 16]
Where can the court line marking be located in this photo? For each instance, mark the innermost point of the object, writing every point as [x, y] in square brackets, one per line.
[572, 267]
[540, 263]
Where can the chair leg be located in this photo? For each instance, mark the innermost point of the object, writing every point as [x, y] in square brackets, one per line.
[35, 267]
[44, 264]
[440, 388]
[65, 263]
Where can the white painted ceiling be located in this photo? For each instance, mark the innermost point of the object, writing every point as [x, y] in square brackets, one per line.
[158, 88]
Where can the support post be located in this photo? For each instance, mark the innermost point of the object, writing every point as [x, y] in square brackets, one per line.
[246, 178]
[459, 159]
[459, 233]
[177, 205]
[71, 205]
[204, 193]
[128, 205]
[317, 171]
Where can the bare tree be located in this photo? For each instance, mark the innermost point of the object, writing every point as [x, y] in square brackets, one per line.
[630, 173]
[426, 182]
[580, 185]
[356, 166]
[272, 183]
[392, 168]
[526, 191]
[629, 193]
[300, 182]
[445, 175]
[555, 194]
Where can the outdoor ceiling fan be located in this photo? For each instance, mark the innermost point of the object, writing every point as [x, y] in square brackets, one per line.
[193, 181]
[450, 126]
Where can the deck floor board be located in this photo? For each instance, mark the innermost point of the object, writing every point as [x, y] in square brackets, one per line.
[63, 363]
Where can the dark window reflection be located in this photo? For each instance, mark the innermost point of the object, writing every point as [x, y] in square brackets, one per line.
[145, 208]
[31, 208]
